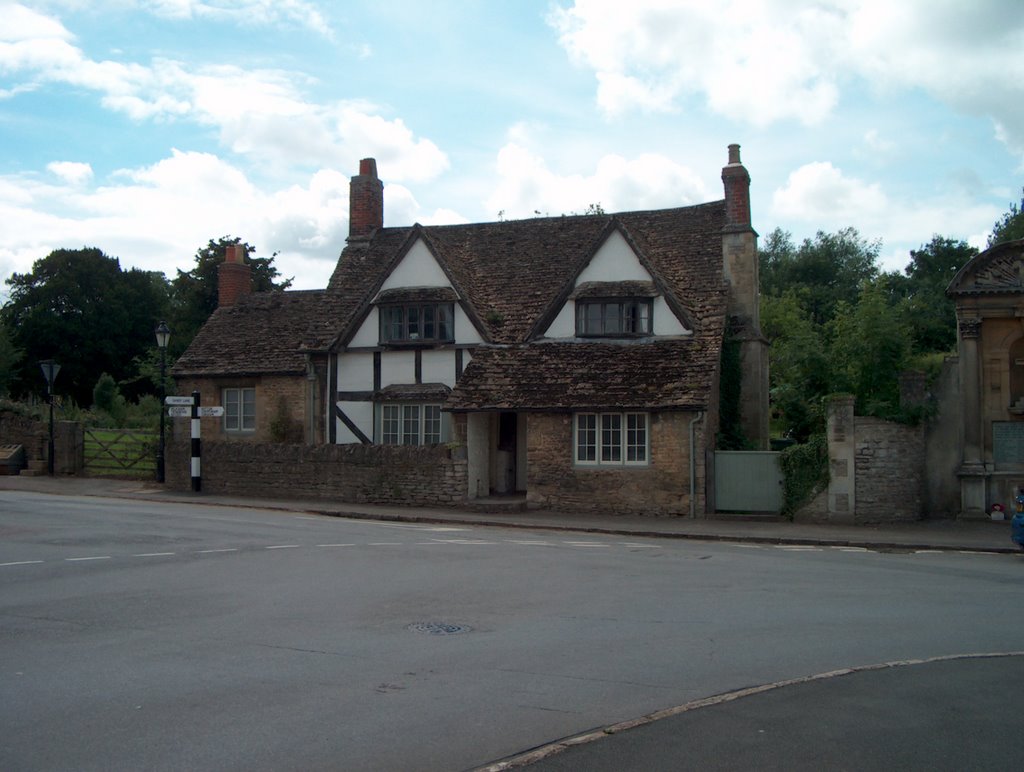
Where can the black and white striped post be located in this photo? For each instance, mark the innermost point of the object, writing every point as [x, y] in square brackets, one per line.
[197, 478]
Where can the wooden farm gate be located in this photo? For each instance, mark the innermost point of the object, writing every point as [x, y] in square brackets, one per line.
[120, 453]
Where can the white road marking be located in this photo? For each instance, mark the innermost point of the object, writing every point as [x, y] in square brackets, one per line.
[152, 554]
[464, 541]
[583, 544]
[94, 557]
[640, 546]
[227, 549]
[21, 563]
[530, 543]
[282, 547]
[336, 545]
[385, 544]
[797, 548]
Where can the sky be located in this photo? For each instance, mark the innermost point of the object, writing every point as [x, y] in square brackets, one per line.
[148, 127]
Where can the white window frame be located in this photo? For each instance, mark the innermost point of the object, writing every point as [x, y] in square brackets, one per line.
[239, 413]
[409, 423]
[611, 438]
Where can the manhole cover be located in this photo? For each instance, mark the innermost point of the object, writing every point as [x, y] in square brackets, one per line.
[438, 628]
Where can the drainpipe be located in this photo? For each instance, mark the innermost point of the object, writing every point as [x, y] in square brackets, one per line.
[693, 463]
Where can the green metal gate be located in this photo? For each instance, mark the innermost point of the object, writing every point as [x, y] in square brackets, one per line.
[748, 481]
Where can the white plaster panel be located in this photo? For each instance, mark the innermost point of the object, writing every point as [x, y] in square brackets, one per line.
[355, 372]
[615, 260]
[665, 320]
[369, 332]
[465, 332]
[361, 414]
[439, 367]
[417, 269]
[397, 367]
[564, 325]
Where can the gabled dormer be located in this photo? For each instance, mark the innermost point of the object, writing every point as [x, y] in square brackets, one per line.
[616, 295]
[417, 305]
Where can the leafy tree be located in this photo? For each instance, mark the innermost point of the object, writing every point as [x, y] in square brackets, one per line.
[800, 372]
[870, 346]
[922, 289]
[107, 397]
[195, 292]
[823, 271]
[1010, 226]
[78, 307]
[10, 356]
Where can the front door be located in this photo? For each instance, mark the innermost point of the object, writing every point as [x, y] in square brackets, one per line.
[504, 478]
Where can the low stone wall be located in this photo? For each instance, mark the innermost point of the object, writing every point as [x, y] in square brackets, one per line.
[877, 468]
[378, 474]
[34, 436]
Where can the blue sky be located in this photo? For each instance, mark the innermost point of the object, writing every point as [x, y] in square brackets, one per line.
[148, 127]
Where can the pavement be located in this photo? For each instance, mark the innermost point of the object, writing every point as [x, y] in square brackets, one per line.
[944, 535]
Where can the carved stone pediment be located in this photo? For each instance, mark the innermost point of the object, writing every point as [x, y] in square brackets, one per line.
[996, 270]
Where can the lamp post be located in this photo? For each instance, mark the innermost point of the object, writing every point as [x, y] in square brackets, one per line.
[163, 334]
[50, 370]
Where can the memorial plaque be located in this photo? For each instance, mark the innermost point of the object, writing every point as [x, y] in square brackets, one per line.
[1008, 442]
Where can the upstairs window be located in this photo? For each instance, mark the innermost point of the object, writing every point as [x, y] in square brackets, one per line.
[613, 318]
[417, 323]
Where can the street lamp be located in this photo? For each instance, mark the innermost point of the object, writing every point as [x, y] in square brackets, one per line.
[163, 334]
[50, 370]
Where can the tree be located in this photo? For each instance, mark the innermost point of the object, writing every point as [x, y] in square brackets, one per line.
[1010, 226]
[10, 356]
[78, 307]
[195, 292]
[922, 292]
[823, 271]
[800, 371]
[870, 346]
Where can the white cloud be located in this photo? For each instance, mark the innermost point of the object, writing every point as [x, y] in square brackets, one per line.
[820, 197]
[260, 113]
[527, 186]
[155, 217]
[762, 61]
[72, 172]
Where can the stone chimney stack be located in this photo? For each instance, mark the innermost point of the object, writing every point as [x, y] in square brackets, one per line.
[366, 202]
[737, 191]
[234, 277]
[740, 269]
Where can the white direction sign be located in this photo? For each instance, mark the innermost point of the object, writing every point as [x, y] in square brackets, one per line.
[178, 400]
[179, 412]
[211, 412]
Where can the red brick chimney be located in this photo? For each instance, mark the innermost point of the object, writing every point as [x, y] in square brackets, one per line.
[234, 277]
[737, 192]
[365, 202]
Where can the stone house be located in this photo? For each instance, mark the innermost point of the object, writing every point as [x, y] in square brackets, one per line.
[989, 296]
[575, 359]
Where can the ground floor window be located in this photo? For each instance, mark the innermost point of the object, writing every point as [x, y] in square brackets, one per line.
[410, 424]
[239, 410]
[611, 438]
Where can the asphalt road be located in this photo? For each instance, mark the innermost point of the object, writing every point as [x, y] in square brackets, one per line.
[148, 636]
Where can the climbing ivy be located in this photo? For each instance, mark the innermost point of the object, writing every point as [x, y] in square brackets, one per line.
[805, 472]
[730, 427]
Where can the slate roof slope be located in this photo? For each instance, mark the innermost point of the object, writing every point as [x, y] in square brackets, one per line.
[261, 334]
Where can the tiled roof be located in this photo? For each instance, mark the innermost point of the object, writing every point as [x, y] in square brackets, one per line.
[615, 289]
[260, 334]
[561, 375]
[511, 277]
